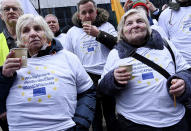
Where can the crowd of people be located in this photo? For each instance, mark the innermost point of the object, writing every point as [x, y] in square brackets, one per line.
[138, 76]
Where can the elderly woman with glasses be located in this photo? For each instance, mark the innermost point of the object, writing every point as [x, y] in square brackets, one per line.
[54, 92]
[144, 95]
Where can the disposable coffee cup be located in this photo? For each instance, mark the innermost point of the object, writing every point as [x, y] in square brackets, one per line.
[87, 22]
[129, 68]
[21, 53]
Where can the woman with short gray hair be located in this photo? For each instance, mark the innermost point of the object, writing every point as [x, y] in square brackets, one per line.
[147, 99]
[53, 92]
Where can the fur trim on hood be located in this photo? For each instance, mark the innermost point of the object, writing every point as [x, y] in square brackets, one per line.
[102, 17]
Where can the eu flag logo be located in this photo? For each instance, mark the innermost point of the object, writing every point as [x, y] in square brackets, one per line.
[146, 76]
[39, 91]
[90, 49]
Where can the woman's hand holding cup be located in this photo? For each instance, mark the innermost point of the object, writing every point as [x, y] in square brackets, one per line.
[11, 65]
[123, 74]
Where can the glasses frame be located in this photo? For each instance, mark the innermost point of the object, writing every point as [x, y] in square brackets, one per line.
[14, 9]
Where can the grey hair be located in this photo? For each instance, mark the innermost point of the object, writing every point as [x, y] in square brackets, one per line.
[122, 22]
[26, 19]
[19, 4]
[51, 15]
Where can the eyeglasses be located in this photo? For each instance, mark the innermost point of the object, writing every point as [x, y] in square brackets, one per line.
[7, 9]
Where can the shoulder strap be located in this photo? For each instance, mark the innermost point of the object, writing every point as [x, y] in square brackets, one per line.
[171, 52]
[151, 64]
[155, 66]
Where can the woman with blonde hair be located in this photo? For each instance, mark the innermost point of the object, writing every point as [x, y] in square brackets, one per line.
[54, 92]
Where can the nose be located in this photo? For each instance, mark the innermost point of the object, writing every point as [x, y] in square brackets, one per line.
[32, 33]
[11, 9]
[135, 24]
[87, 15]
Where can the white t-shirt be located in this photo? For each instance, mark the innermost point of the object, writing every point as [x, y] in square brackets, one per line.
[159, 29]
[146, 99]
[178, 30]
[61, 38]
[91, 53]
[44, 95]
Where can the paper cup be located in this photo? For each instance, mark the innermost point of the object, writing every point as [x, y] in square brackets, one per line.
[21, 53]
[87, 22]
[129, 68]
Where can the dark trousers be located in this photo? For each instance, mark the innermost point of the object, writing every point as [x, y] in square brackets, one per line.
[4, 125]
[127, 125]
[105, 106]
[188, 118]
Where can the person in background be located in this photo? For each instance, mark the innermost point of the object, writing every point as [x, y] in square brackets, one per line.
[153, 12]
[175, 21]
[10, 11]
[53, 23]
[55, 92]
[91, 39]
[144, 97]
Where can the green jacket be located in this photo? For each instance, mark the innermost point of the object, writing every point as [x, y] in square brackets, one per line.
[4, 50]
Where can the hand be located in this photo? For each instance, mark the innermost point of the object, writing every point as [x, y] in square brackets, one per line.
[178, 87]
[128, 4]
[3, 116]
[11, 65]
[121, 75]
[150, 5]
[91, 30]
[164, 7]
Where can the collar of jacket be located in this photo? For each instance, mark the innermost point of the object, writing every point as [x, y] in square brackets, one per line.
[52, 49]
[184, 4]
[176, 6]
[57, 33]
[155, 41]
[102, 17]
[7, 34]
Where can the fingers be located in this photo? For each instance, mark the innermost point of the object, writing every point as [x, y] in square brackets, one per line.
[147, 1]
[127, 5]
[128, 2]
[178, 87]
[122, 76]
[91, 30]
[11, 54]
[87, 28]
[10, 66]
[12, 62]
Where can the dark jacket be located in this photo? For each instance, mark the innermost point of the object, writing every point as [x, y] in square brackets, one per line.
[84, 113]
[104, 38]
[109, 86]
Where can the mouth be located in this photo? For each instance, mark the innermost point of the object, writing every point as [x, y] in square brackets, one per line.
[52, 27]
[34, 41]
[12, 16]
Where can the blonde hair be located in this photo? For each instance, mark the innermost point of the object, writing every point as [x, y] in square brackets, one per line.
[122, 22]
[26, 19]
